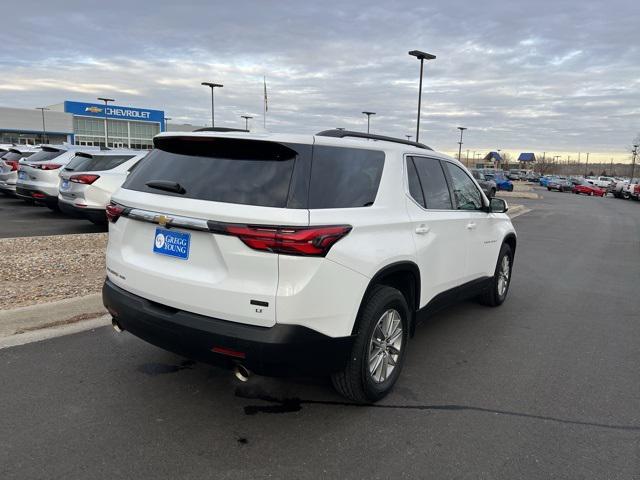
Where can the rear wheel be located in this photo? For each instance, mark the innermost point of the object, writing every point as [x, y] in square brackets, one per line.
[379, 349]
[54, 207]
[497, 292]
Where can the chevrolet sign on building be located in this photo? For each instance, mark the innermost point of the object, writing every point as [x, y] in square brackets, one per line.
[84, 124]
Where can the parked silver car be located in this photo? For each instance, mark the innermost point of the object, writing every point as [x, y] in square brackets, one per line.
[488, 186]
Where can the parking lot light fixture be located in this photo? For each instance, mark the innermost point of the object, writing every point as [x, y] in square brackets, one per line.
[246, 121]
[106, 124]
[633, 161]
[213, 110]
[368, 114]
[408, 137]
[422, 56]
[44, 128]
[462, 129]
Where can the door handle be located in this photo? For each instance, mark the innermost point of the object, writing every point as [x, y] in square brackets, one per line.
[422, 229]
[471, 225]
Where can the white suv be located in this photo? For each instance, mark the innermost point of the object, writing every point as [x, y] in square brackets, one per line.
[284, 254]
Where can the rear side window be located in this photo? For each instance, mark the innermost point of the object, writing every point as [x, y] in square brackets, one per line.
[95, 163]
[415, 189]
[433, 183]
[248, 172]
[344, 177]
[45, 155]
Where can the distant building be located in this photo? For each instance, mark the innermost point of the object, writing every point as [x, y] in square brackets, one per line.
[527, 157]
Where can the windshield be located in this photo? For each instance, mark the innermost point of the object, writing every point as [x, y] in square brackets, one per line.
[95, 163]
[45, 155]
[14, 156]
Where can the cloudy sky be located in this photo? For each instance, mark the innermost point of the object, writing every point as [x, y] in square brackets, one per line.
[555, 76]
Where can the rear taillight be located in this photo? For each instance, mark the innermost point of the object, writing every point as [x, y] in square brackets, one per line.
[13, 164]
[114, 211]
[46, 166]
[84, 178]
[306, 241]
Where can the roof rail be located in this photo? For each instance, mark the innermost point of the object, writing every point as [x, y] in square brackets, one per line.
[347, 133]
[219, 129]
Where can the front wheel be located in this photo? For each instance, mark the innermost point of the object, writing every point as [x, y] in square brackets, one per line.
[378, 352]
[497, 292]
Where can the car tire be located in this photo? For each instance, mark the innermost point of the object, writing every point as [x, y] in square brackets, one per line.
[356, 381]
[549, 188]
[497, 292]
[54, 207]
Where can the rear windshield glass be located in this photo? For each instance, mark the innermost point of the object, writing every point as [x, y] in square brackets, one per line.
[95, 163]
[13, 156]
[45, 155]
[219, 169]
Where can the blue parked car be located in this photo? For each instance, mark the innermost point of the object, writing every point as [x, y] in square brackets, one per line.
[502, 182]
[544, 181]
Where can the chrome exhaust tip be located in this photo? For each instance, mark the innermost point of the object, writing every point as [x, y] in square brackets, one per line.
[116, 326]
[241, 373]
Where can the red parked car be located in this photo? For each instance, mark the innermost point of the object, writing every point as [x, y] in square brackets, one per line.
[589, 189]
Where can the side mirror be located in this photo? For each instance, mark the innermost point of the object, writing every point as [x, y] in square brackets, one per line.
[498, 205]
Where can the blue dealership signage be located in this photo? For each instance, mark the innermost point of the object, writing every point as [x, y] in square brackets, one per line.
[115, 112]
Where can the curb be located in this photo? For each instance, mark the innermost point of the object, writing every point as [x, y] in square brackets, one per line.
[517, 210]
[45, 315]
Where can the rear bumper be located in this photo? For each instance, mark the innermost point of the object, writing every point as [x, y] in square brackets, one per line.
[35, 194]
[94, 214]
[276, 351]
[7, 187]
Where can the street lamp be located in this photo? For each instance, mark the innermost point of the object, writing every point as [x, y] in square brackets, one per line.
[462, 129]
[246, 121]
[368, 114]
[408, 137]
[44, 129]
[166, 122]
[422, 56]
[633, 162]
[106, 124]
[212, 86]
[586, 165]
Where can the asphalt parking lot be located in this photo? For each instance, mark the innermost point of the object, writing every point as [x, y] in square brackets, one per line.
[21, 219]
[546, 386]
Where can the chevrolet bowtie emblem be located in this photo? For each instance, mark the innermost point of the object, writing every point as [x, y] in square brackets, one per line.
[163, 220]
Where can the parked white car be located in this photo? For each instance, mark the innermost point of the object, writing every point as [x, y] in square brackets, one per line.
[9, 164]
[87, 182]
[283, 254]
[38, 175]
[602, 181]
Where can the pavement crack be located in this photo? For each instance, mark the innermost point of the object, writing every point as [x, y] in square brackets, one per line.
[290, 405]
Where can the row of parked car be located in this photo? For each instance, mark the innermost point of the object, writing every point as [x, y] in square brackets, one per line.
[77, 180]
[593, 186]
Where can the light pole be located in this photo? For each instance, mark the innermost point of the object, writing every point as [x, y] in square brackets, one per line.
[368, 114]
[212, 86]
[166, 122]
[633, 161]
[246, 121]
[462, 129]
[467, 161]
[422, 56]
[586, 165]
[44, 129]
[408, 137]
[106, 124]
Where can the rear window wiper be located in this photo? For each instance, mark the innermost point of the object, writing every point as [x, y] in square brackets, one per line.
[167, 186]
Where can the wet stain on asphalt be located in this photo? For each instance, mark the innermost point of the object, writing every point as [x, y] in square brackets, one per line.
[291, 405]
[243, 441]
[154, 369]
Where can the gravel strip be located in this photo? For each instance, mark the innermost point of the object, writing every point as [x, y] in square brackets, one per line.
[44, 269]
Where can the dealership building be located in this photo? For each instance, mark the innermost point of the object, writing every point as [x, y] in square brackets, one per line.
[82, 123]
